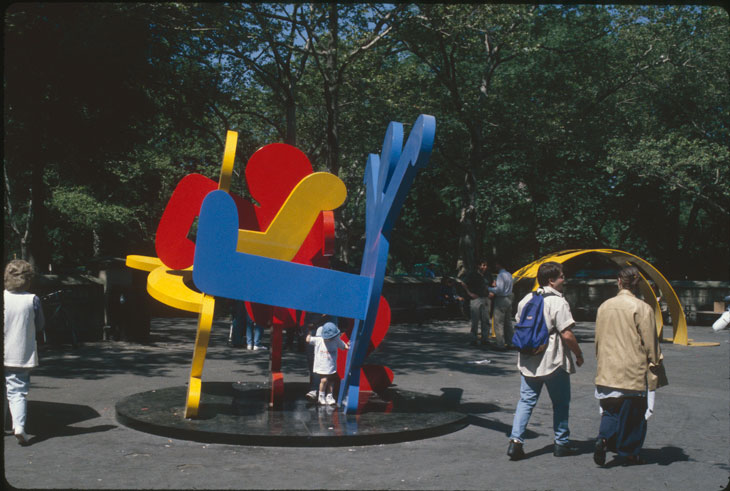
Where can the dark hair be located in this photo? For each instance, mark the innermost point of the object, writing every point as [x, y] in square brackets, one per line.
[18, 275]
[548, 271]
[630, 278]
[498, 261]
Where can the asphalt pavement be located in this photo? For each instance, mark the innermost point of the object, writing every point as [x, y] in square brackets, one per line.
[78, 443]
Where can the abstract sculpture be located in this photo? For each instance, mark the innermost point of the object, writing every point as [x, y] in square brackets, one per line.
[271, 255]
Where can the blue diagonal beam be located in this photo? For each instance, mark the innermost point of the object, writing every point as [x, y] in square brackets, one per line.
[221, 271]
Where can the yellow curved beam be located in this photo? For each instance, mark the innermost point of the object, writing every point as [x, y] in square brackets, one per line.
[168, 287]
[229, 156]
[317, 192]
[145, 263]
[622, 258]
[205, 321]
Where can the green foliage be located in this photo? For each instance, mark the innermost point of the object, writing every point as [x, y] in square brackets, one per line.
[558, 126]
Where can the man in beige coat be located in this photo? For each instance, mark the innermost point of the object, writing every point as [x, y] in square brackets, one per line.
[628, 355]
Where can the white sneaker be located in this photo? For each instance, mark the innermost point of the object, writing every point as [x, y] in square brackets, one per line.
[311, 395]
[22, 437]
[250, 346]
[331, 400]
[321, 399]
[257, 348]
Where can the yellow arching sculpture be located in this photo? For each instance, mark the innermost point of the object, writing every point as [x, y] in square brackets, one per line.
[317, 192]
[679, 322]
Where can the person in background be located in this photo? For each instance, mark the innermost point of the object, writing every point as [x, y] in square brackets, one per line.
[502, 297]
[448, 297]
[475, 283]
[724, 321]
[23, 318]
[238, 324]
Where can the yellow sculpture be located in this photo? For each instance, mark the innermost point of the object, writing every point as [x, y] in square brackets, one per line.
[679, 321]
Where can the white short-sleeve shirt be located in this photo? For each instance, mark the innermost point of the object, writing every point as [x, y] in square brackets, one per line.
[558, 318]
[325, 354]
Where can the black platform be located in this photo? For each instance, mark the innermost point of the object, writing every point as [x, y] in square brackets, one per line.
[239, 413]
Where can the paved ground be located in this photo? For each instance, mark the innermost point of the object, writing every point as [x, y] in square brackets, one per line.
[79, 444]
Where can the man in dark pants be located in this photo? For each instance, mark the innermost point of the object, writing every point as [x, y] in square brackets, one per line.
[627, 355]
[476, 284]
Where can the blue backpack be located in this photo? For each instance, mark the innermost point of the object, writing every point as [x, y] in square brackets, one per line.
[531, 332]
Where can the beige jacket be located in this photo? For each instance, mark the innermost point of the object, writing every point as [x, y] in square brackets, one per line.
[626, 342]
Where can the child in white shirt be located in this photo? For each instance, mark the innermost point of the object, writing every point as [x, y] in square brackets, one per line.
[325, 360]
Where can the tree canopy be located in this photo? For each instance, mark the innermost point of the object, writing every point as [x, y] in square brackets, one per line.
[558, 126]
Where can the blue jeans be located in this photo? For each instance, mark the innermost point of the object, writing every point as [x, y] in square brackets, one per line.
[17, 381]
[558, 386]
[253, 333]
[242, 325]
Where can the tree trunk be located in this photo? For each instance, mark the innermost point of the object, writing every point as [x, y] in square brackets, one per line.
[689, 229]
[291, 121]
[468, 247]
[38, 254]
[331, 95]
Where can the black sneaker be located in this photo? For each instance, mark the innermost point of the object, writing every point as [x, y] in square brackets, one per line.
[515, 450]
[599, 453]
[632, 460]
[564, 450]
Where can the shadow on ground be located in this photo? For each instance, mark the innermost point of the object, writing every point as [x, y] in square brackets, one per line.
[170, 348]
[48, 420]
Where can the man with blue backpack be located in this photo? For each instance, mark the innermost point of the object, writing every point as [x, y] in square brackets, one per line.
[543, 335]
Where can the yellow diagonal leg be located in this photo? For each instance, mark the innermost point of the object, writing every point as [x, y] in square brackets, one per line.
[205, 321]
[229, 155]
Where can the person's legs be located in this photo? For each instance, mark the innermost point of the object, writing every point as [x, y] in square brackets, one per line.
[17, 382]
[329, 397]
[249, 334]
[499, 321]
[608, 428]
[530, 388]
[507, 326]
[631, 426]
[475, 305]
[485, 319]
[322, 388]
[558, 386]
[238, 324]
[258, 331]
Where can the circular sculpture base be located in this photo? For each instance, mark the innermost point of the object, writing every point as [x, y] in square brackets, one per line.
[239, 413]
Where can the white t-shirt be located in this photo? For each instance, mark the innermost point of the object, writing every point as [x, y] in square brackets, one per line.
[20, 327]
[558, 318]
[325, 354]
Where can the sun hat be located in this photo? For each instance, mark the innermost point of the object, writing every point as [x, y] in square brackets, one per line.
[329, 330]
